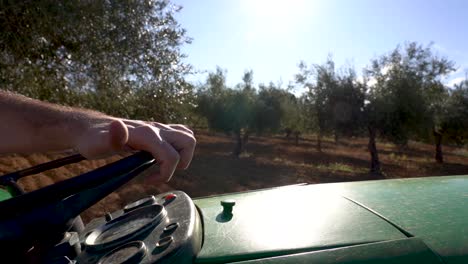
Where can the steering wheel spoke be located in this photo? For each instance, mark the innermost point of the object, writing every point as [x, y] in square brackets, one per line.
[31, 215]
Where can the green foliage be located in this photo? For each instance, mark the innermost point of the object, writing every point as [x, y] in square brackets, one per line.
[314, 79]
[274, 109]
[244, 110]
[232, 110]
[404, 100]
[347, 101]
[225, 109]
[295, 114]
[454, 121]
[120, 57]
[334, 101]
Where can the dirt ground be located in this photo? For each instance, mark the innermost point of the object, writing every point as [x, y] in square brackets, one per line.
[268, 162]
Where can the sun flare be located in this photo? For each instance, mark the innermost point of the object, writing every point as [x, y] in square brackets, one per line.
[275, 15]
[275, 8]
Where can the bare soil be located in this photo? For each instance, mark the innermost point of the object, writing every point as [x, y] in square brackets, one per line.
[268, 162]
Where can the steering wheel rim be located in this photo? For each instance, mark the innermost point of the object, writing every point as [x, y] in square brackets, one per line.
[24, 216]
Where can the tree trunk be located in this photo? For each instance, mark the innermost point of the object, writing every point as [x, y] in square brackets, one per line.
[288, 132]
[375, 163]
[245, 139]
[238, 148]
[319, 142]
[241, 141]
[296, 135]
[438, 144]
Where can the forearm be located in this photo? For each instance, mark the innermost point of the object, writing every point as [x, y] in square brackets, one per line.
[28, 125]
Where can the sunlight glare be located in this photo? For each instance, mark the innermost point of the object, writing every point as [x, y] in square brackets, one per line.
[269, 16]
[275, 8]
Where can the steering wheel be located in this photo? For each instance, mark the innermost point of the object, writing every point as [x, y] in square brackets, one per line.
[46, 213]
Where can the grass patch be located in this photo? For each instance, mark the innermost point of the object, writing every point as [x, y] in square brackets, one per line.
[340, 167]
[461, 152]
[398, 158]
[326, 168]
[245, 154]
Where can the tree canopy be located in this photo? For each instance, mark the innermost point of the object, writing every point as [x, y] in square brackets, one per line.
[407, 90]
[243, 110]
[123, 55]
[335, 98]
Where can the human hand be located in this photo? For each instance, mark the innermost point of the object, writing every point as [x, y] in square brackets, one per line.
[171, 145]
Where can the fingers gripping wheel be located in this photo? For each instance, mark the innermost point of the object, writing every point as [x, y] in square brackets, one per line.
[43, 214]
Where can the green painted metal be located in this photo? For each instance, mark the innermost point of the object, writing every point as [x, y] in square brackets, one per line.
[285, 221]
[4, 194]
[434, 209]
[404, 251]
[418, 220]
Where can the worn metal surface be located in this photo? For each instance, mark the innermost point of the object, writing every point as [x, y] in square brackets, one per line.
[403, 251]
[284, 221]
[434, 209]
[331, 222]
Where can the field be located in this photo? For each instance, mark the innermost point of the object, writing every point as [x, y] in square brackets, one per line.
[268, 162]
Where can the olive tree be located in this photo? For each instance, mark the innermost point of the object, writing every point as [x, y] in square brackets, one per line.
[335, 99]
[403, 101]
[242, 110]
[100, 54]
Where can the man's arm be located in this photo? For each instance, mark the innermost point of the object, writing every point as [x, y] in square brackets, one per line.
[28, 125]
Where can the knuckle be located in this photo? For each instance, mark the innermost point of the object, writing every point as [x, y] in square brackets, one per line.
[147, 128]
[192, 141]
[141, 123]
[177, 127]
[188, 129]
[183, 127]
[172, 154]
[175, 157]
[185, 133]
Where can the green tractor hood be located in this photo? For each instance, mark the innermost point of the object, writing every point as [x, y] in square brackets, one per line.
[390, 221]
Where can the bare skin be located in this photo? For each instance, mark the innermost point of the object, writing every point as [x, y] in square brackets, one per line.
[29, 126]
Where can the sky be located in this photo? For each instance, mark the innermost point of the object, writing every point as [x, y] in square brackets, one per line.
[271, 37]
